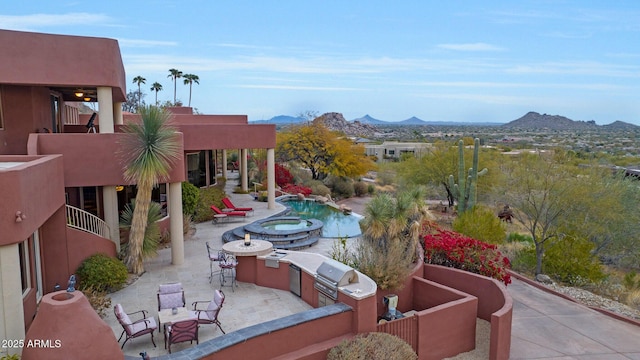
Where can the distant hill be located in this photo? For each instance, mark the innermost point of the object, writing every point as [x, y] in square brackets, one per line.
[534, 120]
[412, 121]
[336, 121]
[280, 120]
[621, 125]
[369, 120]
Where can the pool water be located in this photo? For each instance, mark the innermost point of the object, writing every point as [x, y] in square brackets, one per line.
[286, 225]
[336, 223]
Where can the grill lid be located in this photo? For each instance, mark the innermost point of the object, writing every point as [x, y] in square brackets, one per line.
[337, 272]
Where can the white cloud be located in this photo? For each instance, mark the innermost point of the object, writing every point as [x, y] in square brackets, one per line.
[471, 47]
[139, 43]
[294, 87]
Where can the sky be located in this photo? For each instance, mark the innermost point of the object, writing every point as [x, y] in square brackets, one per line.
[463, 61]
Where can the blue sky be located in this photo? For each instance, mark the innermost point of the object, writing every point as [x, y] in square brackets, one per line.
[466, 61]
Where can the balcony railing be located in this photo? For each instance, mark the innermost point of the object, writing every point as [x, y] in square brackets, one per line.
[85, 221]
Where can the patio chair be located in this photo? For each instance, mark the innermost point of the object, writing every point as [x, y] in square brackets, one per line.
[214, 256]
[133, 329]
[227, 202]
[171, 296]
[181, 331]
[228, 269]
[210, 314]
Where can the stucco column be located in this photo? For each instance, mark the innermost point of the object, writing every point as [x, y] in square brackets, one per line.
[117, 113]
[271, 179]
[224, 163]
[106, 121]
[105, 110]
[175, 223]
[110, 206]
[11, 309]
[243, 170]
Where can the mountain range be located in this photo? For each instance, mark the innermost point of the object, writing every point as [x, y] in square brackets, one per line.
[369, 120]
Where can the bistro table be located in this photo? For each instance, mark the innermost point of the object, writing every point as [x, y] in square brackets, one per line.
[166, 316]
[246, 256]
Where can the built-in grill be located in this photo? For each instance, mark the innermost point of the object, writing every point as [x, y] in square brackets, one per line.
[332, 274]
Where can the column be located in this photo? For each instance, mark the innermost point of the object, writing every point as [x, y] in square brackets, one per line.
[106, 121]
[224, 163]
[11, 309]
[243, 170]
[176, 223]
[117, 113]
[271, 178]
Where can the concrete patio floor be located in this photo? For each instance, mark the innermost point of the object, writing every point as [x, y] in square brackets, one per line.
[545, 326]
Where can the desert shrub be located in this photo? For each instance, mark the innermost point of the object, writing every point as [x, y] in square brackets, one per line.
[480, 223]
[517, 237]
[386, 177]
[283, 175]
[524, 259]
[371, 189]
[208, 196]
[389, 269]
[629, 281]
[190, 197]
[341, 252]
[448, 248]
[372, 346]
[571, 260]
[98, 299]
[152, 233]
[633, 299]
[360, 188]
[10, 357]
[318, 188]
[102, 273]
[341, 187]
[297, 189]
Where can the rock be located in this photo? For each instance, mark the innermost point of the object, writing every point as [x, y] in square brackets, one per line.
[545, 279]
[300, 196]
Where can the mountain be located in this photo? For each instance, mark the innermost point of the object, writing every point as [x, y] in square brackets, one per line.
[534, 120]
[621, 125]
[336, 121]
[280, 120]
[412, 121]
[371, 121]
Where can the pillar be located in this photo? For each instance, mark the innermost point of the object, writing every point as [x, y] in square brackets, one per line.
[244, 176]
[106, 121]
[176, 223]
[11, 308]
[271, 179]
[117, 113]
[224, 163]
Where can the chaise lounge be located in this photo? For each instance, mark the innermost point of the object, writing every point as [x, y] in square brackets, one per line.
[225, 215]
[227, 202]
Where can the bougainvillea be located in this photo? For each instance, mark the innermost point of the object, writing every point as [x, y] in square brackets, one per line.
[296, 189]
[448, 248]
[283, 176]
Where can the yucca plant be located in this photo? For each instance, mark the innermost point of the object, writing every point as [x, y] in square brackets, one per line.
[152, 234]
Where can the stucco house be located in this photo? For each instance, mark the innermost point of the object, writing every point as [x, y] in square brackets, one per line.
[61, 183]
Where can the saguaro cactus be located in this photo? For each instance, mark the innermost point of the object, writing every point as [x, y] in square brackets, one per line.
[465, 191]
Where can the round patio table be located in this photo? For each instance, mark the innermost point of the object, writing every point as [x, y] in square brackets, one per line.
[247, 257]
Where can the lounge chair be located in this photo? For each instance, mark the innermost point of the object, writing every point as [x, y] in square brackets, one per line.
[133, 329]
[225, 215]
[170, 296]
[227, 202]
[209, 315]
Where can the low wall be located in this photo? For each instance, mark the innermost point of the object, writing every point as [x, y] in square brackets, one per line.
[82, 244]
[494, 303]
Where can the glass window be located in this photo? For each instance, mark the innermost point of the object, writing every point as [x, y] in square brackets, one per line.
[25, 266]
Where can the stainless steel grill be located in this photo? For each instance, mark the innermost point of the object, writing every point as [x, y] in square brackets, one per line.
[331, 275]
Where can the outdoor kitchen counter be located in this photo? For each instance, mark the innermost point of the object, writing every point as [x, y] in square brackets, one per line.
[310, 262]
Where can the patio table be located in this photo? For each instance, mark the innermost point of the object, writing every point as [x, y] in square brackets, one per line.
[166, 316]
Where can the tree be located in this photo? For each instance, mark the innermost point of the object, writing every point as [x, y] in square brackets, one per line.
[174, 74]
[322, 151]
[133, 99]
[139, 80]
[156, 87]
[190, 79]
[390, 236]
[149, 148]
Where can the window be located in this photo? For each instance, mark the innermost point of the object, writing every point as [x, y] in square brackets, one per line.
[201, 168]
[25, 266]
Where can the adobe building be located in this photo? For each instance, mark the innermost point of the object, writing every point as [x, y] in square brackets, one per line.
[61, 182]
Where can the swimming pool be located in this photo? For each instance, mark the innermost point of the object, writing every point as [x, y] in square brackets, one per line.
[336, 223]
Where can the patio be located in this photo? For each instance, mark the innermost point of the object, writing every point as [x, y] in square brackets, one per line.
[247, 305]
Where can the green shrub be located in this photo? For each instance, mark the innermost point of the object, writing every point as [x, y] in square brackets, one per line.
[571, 261]
[373, 346]
[480, 223]
[517, 237]
[102, 273]
[10, 357]
[208, 196]
[317, 187]
[341, 187]
[629, 281]
[371, 189]
[524, 260]
[360, 188]
[190, 197]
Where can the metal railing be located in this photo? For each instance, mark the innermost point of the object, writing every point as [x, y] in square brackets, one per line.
[85, 221]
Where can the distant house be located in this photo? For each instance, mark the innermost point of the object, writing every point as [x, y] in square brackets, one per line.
[393, 150]
[61, 182]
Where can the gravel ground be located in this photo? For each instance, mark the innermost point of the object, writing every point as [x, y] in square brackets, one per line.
[590, 299]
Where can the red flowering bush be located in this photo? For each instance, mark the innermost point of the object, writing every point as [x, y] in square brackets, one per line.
[283, 175]
[296, 189]
[448, 248]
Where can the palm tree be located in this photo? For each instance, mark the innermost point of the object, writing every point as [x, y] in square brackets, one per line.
[149, 149]
[174, 74]
[139, 80]
[156, 87]
[190, 79]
